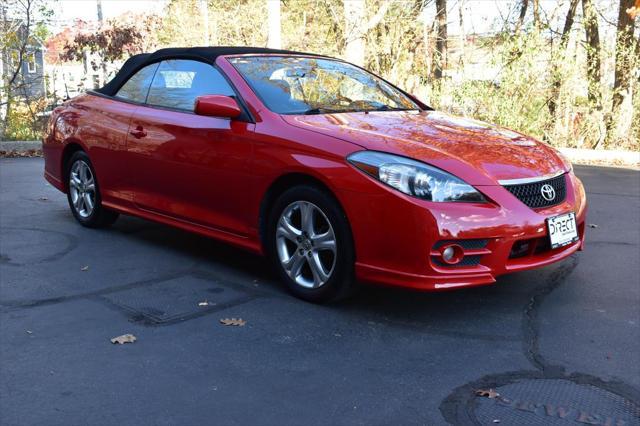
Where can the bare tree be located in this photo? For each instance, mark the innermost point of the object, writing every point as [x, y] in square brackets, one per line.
[273, 10]
[593, 53]
[356, 27]
[204, 7]
[523, 12]
[440, 56]
[564, 40]
[536, 13]
[16, 35]
[625, 54]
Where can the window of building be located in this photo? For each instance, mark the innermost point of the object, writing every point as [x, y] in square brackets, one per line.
[31, 62]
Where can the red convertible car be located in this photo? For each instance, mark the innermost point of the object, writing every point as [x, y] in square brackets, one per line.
[332, 172]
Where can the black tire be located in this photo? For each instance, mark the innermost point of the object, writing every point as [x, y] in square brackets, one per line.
[99, 217]
[341, 282]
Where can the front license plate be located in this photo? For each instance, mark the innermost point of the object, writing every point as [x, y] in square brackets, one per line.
[562, 230]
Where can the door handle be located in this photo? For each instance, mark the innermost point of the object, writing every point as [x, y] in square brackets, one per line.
[138, 133]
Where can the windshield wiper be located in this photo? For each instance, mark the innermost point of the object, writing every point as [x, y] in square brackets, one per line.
[320, 111]
[389, 108]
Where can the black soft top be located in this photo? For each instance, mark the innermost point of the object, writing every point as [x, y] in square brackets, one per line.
[205, 54]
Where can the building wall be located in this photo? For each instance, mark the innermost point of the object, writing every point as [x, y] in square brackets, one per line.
[33, 84]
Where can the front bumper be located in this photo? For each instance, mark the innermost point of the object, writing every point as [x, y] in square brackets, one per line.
[396, 236]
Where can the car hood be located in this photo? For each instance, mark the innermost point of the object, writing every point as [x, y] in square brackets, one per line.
[475, 151]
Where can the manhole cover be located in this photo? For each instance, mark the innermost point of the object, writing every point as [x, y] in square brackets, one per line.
[29, 246]
[555, 402]
[178, 298]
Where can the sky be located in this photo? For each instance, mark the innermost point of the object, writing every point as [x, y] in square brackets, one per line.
[67, 11]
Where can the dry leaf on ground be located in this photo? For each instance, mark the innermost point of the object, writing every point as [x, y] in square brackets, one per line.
[125, 338]
[487, 393]
[233, 321]
[593, 225]
[18, 153]
[43, 199]
[206, 303]
[84, 268]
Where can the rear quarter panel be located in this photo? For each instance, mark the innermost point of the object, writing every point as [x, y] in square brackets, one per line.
[99, 126]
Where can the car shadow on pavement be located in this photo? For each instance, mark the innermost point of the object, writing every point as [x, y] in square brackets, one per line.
[488, 307]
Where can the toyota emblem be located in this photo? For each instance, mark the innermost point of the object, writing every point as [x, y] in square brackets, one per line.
[548, 193]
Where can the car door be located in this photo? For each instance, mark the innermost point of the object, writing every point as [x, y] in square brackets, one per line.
[190, 167]
[110, 126]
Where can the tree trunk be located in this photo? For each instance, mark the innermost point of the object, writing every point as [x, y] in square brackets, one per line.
[593, 53]
[626, 47]
[564, 40]
[356, 27]
[354, 16]
[523, 13]
[274, 38]
[204, 9]
[440, 56]
[463, 38]
[536, 14]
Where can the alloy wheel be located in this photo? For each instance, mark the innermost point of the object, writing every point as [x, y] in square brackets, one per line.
[82, 188]
[306, 244]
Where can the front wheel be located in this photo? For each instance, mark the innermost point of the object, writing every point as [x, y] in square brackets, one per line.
[311, 245]
[84, 193]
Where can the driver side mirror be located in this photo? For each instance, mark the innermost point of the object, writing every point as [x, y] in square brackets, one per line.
[217, 106]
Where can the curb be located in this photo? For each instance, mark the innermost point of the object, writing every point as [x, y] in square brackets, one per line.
[602, 157]
[575, 155]
[20, 146]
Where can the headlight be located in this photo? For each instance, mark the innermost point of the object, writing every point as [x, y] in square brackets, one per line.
[414, 178]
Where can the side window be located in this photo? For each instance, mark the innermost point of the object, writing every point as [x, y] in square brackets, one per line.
[178, 82]
[137, 87]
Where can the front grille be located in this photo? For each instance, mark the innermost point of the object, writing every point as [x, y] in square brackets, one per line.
[472, 260]
[531, 193]
[465, 244]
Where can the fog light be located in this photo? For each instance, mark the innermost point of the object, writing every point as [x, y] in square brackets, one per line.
[451, 253]
[448, 254]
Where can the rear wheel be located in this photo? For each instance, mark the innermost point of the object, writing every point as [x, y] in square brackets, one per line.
[84, 193]
[310, 244]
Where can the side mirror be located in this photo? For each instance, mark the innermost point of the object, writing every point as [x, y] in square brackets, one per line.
[217, 106]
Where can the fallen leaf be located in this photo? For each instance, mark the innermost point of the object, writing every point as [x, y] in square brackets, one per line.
[125, 338]
[496, 420]
[233, 321]
[29, 332]
[84, 268]
[593, 225]
[43, 199]
[17, 153]
[487, 393]
[206, 303]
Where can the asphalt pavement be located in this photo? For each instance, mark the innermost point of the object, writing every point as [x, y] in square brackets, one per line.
[566, 336]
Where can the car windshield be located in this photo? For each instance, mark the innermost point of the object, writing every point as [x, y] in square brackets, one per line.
[302, 85]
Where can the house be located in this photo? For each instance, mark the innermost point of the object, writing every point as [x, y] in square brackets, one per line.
[30, 81]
